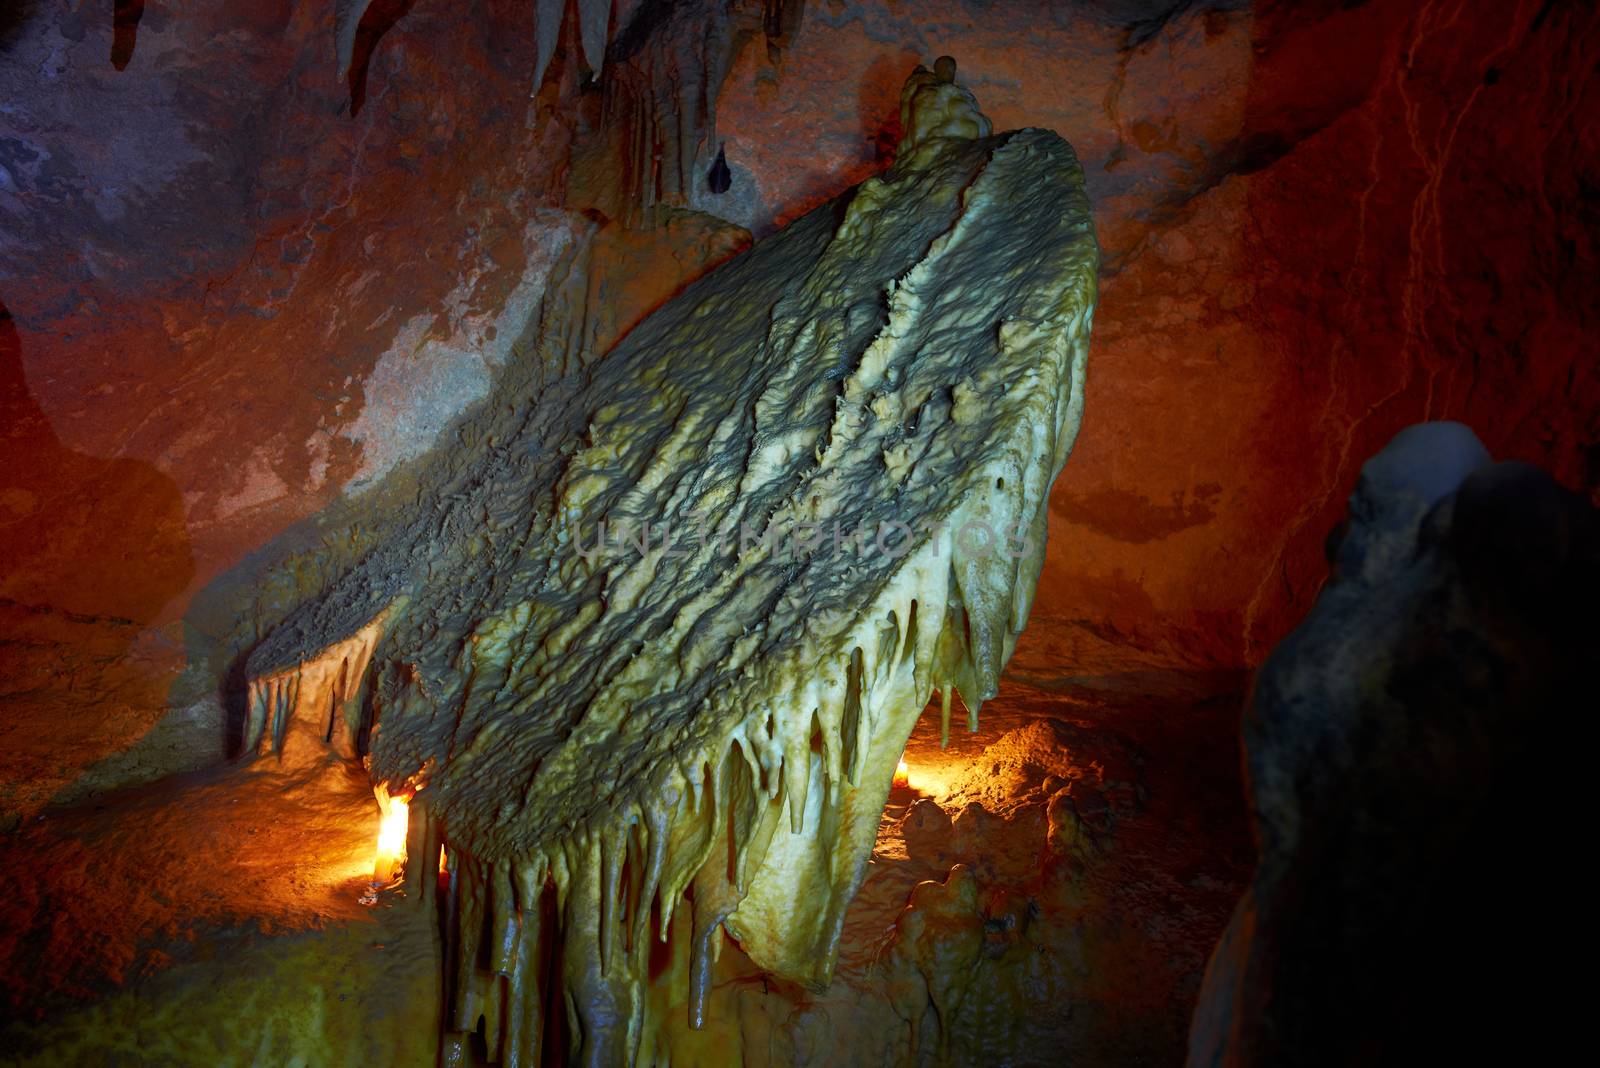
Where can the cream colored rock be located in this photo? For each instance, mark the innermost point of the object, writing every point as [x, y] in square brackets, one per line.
[672, 628]
[934, 106]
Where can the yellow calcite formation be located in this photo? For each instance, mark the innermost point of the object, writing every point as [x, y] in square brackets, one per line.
[934, 107]
[653, 654]
[312, 696]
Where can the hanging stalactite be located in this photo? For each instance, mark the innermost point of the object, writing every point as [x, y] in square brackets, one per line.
[639, 736]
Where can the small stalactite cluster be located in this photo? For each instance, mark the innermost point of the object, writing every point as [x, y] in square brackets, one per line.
[658, 115]
[658, 99]
[546, 16]
[678, 869]
[656, 120]
[319, 694]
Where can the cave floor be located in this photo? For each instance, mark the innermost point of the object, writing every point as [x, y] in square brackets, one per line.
[1093, 943]
[216, 918]
[213, 918]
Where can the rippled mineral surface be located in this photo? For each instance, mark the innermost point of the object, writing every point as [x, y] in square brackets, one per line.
[670, 627]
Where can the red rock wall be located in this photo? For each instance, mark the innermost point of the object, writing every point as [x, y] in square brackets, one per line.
[231, 300]
[226, 296]
[1320, 222]
[1401, 234]
[208, 254]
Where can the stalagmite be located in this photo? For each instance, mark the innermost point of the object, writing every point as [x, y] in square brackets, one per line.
[655, 650]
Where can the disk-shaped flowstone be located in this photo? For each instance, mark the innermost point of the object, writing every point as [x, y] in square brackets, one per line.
[664, 636]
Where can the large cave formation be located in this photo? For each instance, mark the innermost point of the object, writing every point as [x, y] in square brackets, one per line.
[336, 338]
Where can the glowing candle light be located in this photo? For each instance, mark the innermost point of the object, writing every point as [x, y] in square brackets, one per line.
[392, 828]
[902, 776]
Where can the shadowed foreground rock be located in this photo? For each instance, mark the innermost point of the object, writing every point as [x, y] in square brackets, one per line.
[1410, 752]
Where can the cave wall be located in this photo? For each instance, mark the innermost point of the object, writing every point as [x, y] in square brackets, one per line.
[231, 299]
[240, 287]
[1320, 222]
[1399, 232]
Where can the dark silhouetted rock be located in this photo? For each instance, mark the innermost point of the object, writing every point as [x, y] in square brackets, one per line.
[1410, 750]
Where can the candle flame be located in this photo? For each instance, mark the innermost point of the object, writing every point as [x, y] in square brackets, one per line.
[902, 776]
[392, 826]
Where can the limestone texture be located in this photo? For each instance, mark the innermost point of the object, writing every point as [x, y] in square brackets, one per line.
[1327, 220]
[246, 301]
[667, 628]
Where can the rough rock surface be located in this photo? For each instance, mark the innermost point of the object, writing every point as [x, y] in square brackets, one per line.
[1076, 919]
[1325, 220]
[233, 298]
[230, 296]
[240, 941]
[137, 933]
[668, 623]
[1320, 222]
[1386, 736]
